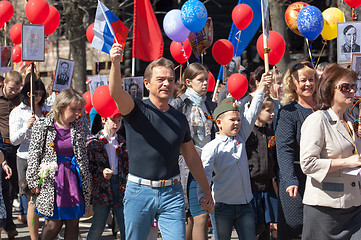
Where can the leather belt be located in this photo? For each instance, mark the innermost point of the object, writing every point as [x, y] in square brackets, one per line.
[7, 141]
[151, 183]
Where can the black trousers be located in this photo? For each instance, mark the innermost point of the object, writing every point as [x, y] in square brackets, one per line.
[10, 187]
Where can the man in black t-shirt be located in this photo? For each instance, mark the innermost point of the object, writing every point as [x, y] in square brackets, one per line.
[156, 133]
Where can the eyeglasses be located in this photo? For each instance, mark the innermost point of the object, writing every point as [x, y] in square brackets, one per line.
[345, 87]
[300, 65]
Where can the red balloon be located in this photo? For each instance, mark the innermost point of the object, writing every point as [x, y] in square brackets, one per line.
[6, 11]
[181, 51]
[16, 54]
[2, 23]
[15, 33]
[103, 103]
[88, 106]
[37, 11]
[237, 85]
[52, 21]
[353, 3]
[277, 45]
[90, 32]
[223, 51]
[211, 82]
[242, 16]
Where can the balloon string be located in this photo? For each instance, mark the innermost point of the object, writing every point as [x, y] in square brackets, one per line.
[309, 46]
[184, 52]
[324, 42]
[180, 72]
[202, 58]
[354, 14]
[197, 48]
[237, 36]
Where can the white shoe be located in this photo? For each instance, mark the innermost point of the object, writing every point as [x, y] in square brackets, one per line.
[16, 203]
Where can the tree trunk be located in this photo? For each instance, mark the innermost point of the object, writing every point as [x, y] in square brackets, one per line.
[277, 12]
[75, 32]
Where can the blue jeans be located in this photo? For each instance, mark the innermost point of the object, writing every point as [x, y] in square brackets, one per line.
[166, 204]
[101, 213]
[239, 216]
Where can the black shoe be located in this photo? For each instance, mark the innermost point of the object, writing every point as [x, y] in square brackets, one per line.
[12, 234]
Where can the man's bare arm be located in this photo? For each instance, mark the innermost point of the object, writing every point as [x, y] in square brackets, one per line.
[121, 97]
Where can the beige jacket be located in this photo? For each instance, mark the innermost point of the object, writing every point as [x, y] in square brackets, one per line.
[323, 137]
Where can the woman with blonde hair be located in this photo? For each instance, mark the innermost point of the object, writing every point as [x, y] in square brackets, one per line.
[58, 166]
[299, 85]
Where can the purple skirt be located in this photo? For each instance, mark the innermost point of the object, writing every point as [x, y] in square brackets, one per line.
[69, 200]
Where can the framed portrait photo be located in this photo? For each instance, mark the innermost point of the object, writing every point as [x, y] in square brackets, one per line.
[356, 66]
[63, 74]
[33, 43]
[234, 66]
[134, 86]
[348, 40]
[6, 63]
[95, 82]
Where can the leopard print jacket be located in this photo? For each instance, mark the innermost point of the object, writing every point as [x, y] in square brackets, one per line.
[41, 151]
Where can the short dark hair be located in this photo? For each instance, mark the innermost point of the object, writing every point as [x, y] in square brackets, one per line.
[327, 83]
[62, 63]
[37, 85]
[255, 77]
[348, 27]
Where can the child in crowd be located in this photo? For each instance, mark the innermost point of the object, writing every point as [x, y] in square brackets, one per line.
[226, 157]
[109, 169]
[261, 152]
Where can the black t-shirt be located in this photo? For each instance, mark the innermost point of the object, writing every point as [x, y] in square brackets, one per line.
[154, 138]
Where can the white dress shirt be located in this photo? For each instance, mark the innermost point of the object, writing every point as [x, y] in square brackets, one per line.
[18, 128]
[111, 148]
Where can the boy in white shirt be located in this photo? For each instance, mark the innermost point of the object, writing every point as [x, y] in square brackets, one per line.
[226, 157]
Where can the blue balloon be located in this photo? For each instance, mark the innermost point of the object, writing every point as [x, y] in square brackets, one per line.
[310, 22]
[194, 15]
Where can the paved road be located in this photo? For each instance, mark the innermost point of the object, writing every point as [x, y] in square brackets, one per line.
[83, 227]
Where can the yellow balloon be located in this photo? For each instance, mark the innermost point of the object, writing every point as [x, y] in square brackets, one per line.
[332, 16]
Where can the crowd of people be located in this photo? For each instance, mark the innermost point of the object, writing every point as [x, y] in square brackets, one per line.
[280, 163]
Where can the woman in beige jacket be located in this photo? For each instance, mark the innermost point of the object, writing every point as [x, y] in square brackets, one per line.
[329, 148]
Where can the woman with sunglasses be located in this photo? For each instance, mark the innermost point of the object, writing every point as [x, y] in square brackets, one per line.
[21, 122]
[298, 102]
[329, 148]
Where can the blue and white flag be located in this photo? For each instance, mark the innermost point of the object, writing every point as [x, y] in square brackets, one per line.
[108, 29]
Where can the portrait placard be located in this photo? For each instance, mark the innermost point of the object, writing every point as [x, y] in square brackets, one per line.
[95, 82]
[33, 43]
[234, 66]
[6, 63]
[63, 74]
[356, 66]
[348, 40]
[134, 86]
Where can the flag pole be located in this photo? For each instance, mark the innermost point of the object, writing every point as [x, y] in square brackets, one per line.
[133, 67]
[108, 22]
[265, 27]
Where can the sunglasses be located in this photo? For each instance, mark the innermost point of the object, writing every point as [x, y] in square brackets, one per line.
[37, 94]
[301, 65]
[345, 87]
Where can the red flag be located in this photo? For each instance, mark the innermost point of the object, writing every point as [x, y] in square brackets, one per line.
[147, 38]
